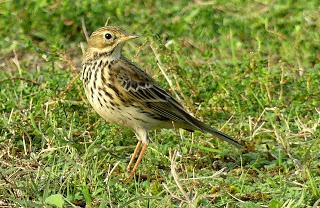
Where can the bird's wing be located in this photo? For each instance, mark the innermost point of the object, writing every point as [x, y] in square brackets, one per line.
[139, 87]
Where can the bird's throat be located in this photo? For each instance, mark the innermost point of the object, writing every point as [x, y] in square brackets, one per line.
[94, 54]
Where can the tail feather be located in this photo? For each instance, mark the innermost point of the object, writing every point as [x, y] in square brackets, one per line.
[191, 123]
[205, 128]
[219, 135]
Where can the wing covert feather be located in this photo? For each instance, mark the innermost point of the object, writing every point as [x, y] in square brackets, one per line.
[141, 88]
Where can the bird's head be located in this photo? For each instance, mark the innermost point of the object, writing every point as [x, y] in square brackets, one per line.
[109, 41]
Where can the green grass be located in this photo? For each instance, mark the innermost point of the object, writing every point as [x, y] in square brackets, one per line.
[250, 68]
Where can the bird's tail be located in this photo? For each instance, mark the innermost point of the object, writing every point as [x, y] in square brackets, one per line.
[219, 134]
[205, 128]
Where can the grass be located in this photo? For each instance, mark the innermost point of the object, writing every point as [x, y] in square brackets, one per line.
[250, 68]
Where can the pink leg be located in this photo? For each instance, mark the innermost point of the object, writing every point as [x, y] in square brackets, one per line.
[143, 150]
[134, 155]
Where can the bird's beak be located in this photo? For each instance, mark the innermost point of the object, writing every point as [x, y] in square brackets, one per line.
[128, 37]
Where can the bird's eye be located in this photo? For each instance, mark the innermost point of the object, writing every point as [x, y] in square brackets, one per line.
[108, 36]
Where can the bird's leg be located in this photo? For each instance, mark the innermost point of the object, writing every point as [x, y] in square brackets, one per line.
[134, 155]
[143, 150]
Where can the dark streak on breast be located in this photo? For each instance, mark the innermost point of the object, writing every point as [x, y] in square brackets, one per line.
[114, 89]
[91, 92]
[89, 75]
[108, 95]
[95, 79]
[104, 81]
[99, 101]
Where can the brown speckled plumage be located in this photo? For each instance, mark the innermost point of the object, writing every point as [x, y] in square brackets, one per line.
[124, 94]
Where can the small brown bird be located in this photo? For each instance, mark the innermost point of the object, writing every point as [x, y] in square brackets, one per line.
[122, 93]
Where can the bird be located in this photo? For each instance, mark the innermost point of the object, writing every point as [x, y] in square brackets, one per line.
[124, 94]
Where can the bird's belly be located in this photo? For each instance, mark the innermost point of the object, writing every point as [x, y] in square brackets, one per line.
[138, 118]
[128, 116]
[124, 115]
[105, 109]
[108, 113]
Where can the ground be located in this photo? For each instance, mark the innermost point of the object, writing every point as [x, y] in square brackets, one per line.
[249, 68]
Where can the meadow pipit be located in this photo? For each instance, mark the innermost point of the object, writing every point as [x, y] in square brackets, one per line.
[122, 93]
